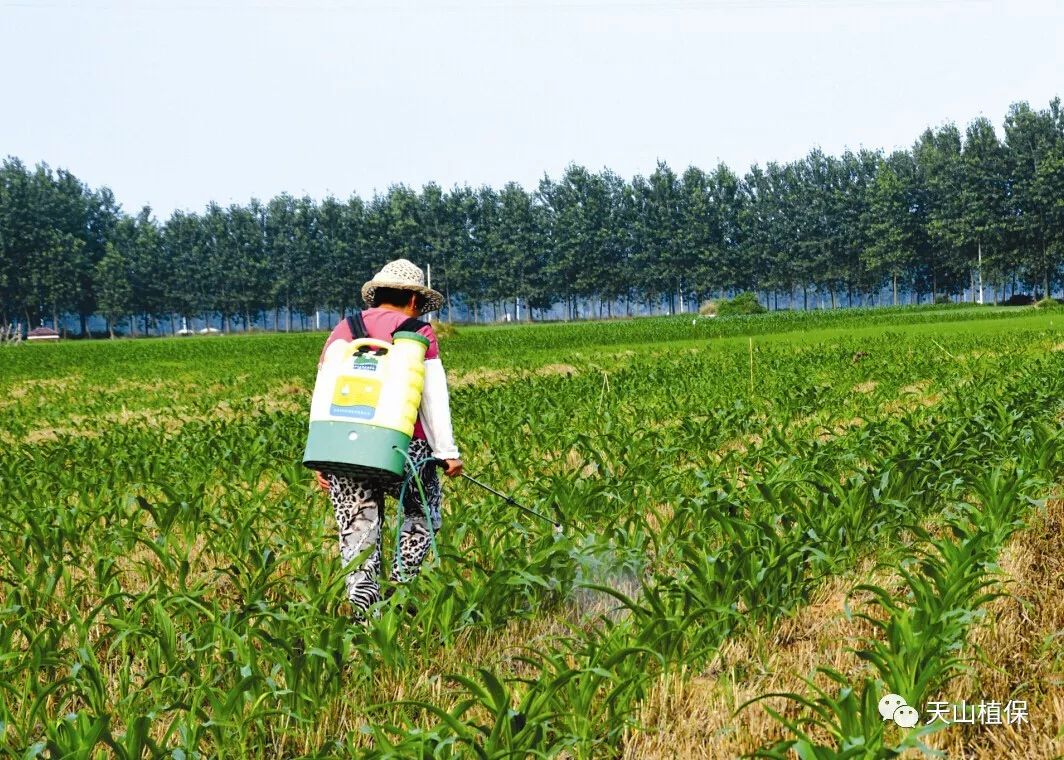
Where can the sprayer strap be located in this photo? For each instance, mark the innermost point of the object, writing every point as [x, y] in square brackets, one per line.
[357, 326]
[412, 324]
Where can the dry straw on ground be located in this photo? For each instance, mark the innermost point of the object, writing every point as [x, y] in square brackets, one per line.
[1020, 657]
[696, 716]
[1021, 654]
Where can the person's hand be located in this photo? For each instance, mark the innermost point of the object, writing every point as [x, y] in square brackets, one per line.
[322, 482]
[454, 468]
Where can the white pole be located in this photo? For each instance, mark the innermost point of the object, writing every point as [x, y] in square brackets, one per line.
[980, 272]
[428, 281]
[517, 303]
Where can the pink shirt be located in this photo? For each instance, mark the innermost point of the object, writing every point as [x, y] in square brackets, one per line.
[380, 324]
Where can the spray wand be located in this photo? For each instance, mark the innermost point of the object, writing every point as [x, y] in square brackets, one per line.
[557, 525]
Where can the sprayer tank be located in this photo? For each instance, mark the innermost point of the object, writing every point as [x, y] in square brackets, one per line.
[365, 405]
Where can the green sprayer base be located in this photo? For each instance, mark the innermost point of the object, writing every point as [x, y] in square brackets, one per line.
[356, 449]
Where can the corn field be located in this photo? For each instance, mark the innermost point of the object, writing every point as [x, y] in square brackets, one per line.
[171, 585]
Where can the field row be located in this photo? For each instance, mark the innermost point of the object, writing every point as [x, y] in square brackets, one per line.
[176, 586]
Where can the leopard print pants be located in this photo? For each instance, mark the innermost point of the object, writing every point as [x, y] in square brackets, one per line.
[358, 505]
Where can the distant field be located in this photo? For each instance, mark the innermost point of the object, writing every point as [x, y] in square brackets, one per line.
[731, 487]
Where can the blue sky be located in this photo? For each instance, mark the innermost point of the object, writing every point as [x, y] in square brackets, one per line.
[177, 103]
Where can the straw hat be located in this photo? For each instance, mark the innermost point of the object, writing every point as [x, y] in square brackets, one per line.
[402, 275]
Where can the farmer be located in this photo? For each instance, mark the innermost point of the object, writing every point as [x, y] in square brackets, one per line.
[394, 295]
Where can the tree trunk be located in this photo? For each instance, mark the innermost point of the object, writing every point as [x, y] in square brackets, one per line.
[895, 279]
[84, 323]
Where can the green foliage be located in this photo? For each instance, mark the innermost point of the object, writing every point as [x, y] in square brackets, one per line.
[115, 292]
[744, 303]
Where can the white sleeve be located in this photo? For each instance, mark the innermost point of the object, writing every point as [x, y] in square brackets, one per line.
[435, 412]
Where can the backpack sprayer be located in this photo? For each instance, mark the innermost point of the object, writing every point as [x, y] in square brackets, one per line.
[364, 407]
[365, 403]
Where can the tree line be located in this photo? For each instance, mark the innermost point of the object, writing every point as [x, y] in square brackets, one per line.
[958, 212]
